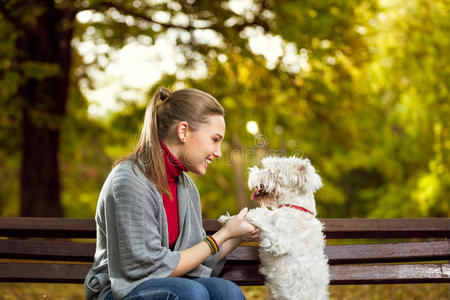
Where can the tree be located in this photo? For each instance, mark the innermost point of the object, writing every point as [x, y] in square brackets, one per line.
[42, 32]
[348, 87]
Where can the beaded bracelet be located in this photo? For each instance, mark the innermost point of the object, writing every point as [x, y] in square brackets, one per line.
[212, 244]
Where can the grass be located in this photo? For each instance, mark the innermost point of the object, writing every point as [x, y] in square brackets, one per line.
[38, 291]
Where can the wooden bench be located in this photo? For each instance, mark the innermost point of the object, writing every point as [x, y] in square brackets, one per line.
[394, 251]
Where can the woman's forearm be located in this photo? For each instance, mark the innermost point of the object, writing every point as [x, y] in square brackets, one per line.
[194, 256]
[228, 237]
[229, 246]
[191, 258]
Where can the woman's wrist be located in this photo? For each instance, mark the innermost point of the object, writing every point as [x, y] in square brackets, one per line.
[221, 236]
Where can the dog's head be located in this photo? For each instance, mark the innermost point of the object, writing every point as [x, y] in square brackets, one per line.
[281, 178]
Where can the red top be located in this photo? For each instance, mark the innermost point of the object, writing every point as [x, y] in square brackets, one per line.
[174, 168]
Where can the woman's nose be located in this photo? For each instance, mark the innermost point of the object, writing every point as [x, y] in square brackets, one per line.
[218, 153]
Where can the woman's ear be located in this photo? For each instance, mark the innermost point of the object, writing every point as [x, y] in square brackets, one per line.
[182, 131]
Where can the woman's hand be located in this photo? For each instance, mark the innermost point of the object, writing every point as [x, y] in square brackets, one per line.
[229, 237]
[237, 226]
[252, 237]
[234, 232]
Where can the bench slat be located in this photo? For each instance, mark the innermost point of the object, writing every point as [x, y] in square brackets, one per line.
[375, 228]
[365, 253]
[47, 250]
[47, 227]
[337, 254]
[43, 272]
[357, 274]
[387, 228]
[245, 274]
[389, 252]
[334, 228]
[395, 273]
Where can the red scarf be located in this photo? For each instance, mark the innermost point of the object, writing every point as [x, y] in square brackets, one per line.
[174, 168]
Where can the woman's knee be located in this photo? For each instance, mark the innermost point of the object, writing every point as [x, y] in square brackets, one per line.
[193, 291]
[220, 288]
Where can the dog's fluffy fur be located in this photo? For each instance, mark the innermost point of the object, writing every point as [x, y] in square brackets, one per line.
[291, 246]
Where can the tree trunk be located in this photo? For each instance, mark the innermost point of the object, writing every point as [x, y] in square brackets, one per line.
[45, 43]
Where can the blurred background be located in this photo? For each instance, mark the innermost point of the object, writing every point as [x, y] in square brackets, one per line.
[361, 88]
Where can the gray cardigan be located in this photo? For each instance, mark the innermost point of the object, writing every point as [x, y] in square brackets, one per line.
[132, 234]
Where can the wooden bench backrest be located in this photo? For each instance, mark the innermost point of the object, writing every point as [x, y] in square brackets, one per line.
[50, 254]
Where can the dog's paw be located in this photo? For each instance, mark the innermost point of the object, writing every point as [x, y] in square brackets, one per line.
[224, 218]
[258, 217]
[273, 244]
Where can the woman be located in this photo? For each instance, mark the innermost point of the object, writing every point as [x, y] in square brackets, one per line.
[150, 239]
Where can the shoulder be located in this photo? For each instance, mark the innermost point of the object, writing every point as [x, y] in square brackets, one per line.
[127, 192]
[127, 171]
[127, 178]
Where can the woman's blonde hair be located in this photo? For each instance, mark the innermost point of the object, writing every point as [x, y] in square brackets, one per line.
[165, 110]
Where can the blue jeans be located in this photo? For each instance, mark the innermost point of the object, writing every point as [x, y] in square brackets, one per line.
[175, 288]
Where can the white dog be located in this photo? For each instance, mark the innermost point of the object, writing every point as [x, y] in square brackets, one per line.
[291, 246]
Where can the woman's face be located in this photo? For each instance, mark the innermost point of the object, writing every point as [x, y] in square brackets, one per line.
[202, 146]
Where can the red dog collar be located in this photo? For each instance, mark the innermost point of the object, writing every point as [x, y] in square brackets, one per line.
[296, 207]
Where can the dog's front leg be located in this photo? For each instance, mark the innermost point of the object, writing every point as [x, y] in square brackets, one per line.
[223, 219]
[270, 238]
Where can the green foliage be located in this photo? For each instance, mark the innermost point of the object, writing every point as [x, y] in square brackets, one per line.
[369, 108]
[84, 163]
[9, 122]
[409, 47]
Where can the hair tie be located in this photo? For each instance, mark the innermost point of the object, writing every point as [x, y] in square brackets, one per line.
[164, 94]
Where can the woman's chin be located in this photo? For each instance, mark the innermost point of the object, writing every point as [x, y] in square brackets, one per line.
[200, 170]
